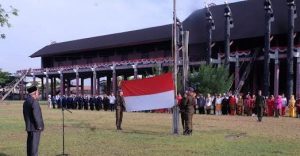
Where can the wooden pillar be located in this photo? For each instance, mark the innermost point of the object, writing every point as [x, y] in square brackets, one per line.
[33, 79]
[92, 86]
[228, 26]
[94, 83]
[98, 85]
[298, 79]
[68, 86]
[54, 85]
[254, 84]
[135, 70]
[43, 88]
[290, 48]
[77, 83]
[62, 85]
[276, 75]
[47, 85]
[115, 82]
[268, 20]
[51, 87]
[108, 84]
[21, 90]
[237, 72]
[82, 86]
[159, 68]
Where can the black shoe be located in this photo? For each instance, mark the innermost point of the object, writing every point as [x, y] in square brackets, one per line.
[185, 132]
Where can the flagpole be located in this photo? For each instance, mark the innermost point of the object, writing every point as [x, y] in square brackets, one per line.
[175, 129]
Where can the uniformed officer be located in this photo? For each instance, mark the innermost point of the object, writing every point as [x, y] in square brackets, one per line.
[120, 107]
[182, 105]
[189, 111]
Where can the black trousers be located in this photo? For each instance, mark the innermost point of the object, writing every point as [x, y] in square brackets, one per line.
[119, 117]
[33, 140]
[201, 110]
[183, 119]
[112, 107]
[260, 111]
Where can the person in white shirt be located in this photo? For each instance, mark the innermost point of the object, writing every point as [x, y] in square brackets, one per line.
[208, 104]
[219, 105]
[112, 100]
[49, 101]
[284, 105]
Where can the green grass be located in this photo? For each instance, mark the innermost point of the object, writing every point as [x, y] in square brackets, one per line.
[93, 133]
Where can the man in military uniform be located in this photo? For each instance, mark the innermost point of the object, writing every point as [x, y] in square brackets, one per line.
[120, 107]
[33, 121]
[182, 107]
[260, 105]
[189, 112]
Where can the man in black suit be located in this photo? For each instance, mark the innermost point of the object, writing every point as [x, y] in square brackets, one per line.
[33, 121]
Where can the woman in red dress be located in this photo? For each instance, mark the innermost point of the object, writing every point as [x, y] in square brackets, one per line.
[270, 104]
[232, 104]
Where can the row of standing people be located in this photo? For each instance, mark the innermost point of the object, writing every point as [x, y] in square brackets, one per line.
[230, 104]
[98, 103]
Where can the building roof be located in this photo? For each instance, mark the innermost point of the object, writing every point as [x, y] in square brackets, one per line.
[248, 17]
[136, 37]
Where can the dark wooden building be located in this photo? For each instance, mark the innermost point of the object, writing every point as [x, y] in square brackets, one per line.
[136, 52]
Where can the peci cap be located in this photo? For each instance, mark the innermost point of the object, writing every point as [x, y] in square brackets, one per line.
[32, 89]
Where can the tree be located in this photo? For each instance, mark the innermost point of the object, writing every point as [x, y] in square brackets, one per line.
[4, 16]
[209, 79]
[5, 77]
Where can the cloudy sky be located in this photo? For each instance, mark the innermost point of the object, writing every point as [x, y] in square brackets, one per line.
[41, 22]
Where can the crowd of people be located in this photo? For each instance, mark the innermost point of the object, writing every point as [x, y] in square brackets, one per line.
[105, 102]
[229, 104]
[217, 104]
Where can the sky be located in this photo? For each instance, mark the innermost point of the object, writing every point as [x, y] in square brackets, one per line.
[41, 22]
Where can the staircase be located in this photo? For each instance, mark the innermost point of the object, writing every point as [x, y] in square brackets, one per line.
[11, 86]
[246, 73]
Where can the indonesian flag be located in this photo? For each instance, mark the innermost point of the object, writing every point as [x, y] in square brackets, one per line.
[149, 93]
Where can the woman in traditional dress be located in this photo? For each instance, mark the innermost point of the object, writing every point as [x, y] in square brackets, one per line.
[292, 108]
[232, 105]
[278, 106]
[219, 105]
[240, 107]
[270, 105]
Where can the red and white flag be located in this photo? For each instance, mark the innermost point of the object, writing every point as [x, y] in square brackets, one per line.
[149, 93]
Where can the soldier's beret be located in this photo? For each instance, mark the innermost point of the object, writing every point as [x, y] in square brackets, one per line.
[32, 89]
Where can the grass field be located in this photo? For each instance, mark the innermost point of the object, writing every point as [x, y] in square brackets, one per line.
[93, 133]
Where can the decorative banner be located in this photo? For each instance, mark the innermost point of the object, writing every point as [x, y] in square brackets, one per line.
[149, 93]
[239, 53]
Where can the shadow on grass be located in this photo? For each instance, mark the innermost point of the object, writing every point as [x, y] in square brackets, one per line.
[3, 154]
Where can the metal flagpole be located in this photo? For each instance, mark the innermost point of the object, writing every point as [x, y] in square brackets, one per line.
[175, 129]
